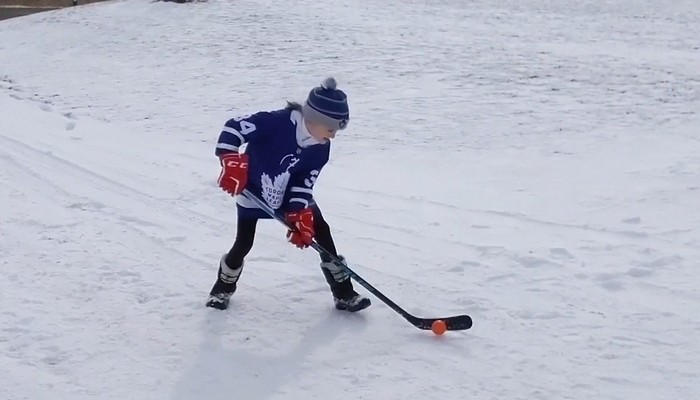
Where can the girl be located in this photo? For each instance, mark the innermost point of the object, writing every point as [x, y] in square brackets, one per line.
[284, 153]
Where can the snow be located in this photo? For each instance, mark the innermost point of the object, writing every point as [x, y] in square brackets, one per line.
[534, 164]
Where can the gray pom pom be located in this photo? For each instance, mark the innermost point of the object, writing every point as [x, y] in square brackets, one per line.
[329, 83]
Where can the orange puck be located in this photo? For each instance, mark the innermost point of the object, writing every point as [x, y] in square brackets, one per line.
[438, 327]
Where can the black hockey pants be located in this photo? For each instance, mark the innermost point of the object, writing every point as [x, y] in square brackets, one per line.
[245, 236]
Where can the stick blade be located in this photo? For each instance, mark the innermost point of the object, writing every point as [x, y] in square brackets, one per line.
[455, 323]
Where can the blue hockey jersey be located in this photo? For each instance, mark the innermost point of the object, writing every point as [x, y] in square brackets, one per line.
[285, 159]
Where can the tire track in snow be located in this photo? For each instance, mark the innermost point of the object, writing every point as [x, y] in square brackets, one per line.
[98, 192]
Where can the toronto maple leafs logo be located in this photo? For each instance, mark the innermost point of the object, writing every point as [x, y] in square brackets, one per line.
[273, 190]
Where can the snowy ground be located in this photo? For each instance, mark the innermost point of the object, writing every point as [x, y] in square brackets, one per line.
[535, 164]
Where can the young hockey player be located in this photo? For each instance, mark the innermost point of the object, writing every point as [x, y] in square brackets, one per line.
[285, 151]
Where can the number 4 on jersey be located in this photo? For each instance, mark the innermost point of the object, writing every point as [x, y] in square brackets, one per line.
[246, 126]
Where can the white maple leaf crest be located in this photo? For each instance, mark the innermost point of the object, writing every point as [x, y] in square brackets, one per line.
[273, 191]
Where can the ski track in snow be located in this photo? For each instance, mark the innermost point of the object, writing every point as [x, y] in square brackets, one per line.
[557, 150]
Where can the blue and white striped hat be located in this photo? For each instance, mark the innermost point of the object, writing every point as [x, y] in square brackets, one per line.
[327, 105]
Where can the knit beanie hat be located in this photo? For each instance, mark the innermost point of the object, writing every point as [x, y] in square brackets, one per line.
[327, 105]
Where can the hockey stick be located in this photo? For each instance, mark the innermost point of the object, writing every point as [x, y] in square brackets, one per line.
[454, 323]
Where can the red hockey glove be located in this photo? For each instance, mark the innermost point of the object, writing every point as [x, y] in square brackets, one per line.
[303, 221]
[234, 173]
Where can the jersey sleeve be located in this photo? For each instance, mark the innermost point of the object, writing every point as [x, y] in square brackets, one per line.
[301, 189]
[239, 131]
